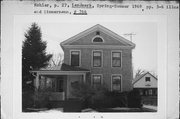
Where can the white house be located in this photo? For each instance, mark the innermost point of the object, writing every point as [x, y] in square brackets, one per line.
[146, 84]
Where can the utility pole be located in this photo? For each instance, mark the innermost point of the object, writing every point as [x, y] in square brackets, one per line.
[129, 34]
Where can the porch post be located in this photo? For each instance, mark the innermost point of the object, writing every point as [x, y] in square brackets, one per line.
[84, 78]
[37, 81]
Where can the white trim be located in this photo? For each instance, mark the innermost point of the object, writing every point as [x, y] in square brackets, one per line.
[99, 46]
[99, 28]
[79, 57]
[96, 74]
[111, 58]
[99, 37]
[101, 58]
[84, 78]
[37, 81]
[121, 81]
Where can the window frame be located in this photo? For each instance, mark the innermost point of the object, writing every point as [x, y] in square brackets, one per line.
[92, 79]
[70, 63]
[120, 81]
[116, 51]
[92, 59]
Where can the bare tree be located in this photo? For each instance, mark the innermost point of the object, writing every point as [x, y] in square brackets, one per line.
[139, 72]
[154, 74]
[56, 60]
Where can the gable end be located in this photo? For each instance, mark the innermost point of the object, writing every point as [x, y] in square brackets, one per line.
[100, 29]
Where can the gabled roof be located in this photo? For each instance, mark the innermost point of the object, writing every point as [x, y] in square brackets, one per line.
[141, 76]
[63, 67]
[95, 28]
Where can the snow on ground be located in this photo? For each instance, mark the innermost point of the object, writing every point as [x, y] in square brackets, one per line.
[56, 110]
[150, 107]
[88, 110]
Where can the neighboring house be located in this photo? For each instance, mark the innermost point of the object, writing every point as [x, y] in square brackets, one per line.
[146, 84]
[96, 56]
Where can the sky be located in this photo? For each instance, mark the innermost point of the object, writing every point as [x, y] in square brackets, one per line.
[145, 38]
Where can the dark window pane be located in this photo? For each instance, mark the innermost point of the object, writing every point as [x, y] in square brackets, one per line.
[59, 85]
[147, 79]
[97, 59]
[75, 58]
[97, 39]
[116, 59]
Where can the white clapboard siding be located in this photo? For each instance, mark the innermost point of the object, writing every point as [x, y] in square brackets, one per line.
[141, 83]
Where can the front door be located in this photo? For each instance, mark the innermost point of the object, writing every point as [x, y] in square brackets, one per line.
[59, 85]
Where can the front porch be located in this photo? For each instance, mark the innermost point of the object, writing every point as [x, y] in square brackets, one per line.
[58, 81]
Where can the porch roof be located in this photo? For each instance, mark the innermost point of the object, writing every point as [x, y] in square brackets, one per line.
[63, 67]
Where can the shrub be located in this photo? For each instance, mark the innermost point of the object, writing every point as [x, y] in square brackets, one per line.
[27, 100]
[89, 95]
[118, 99]
[41, 98]
[134, 99]
[73, 105]
[100, 97]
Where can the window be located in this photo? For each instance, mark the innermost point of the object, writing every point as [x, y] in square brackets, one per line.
[48, 83]
[97, 39]
[97, 58]
[75, 58]
[147, 79]
[116, 83]
[45, 83]
[154, 91]
[116, 59]
[141, 92]
[150, 92]
[96, 80]
[146, 92]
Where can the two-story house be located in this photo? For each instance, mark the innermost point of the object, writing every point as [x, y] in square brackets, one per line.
[96, 56]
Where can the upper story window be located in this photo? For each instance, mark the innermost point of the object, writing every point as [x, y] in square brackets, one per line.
[75, 58]
[147, 79]
[96, 80]
[116, 83]
[97, 58]
[116, 59]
